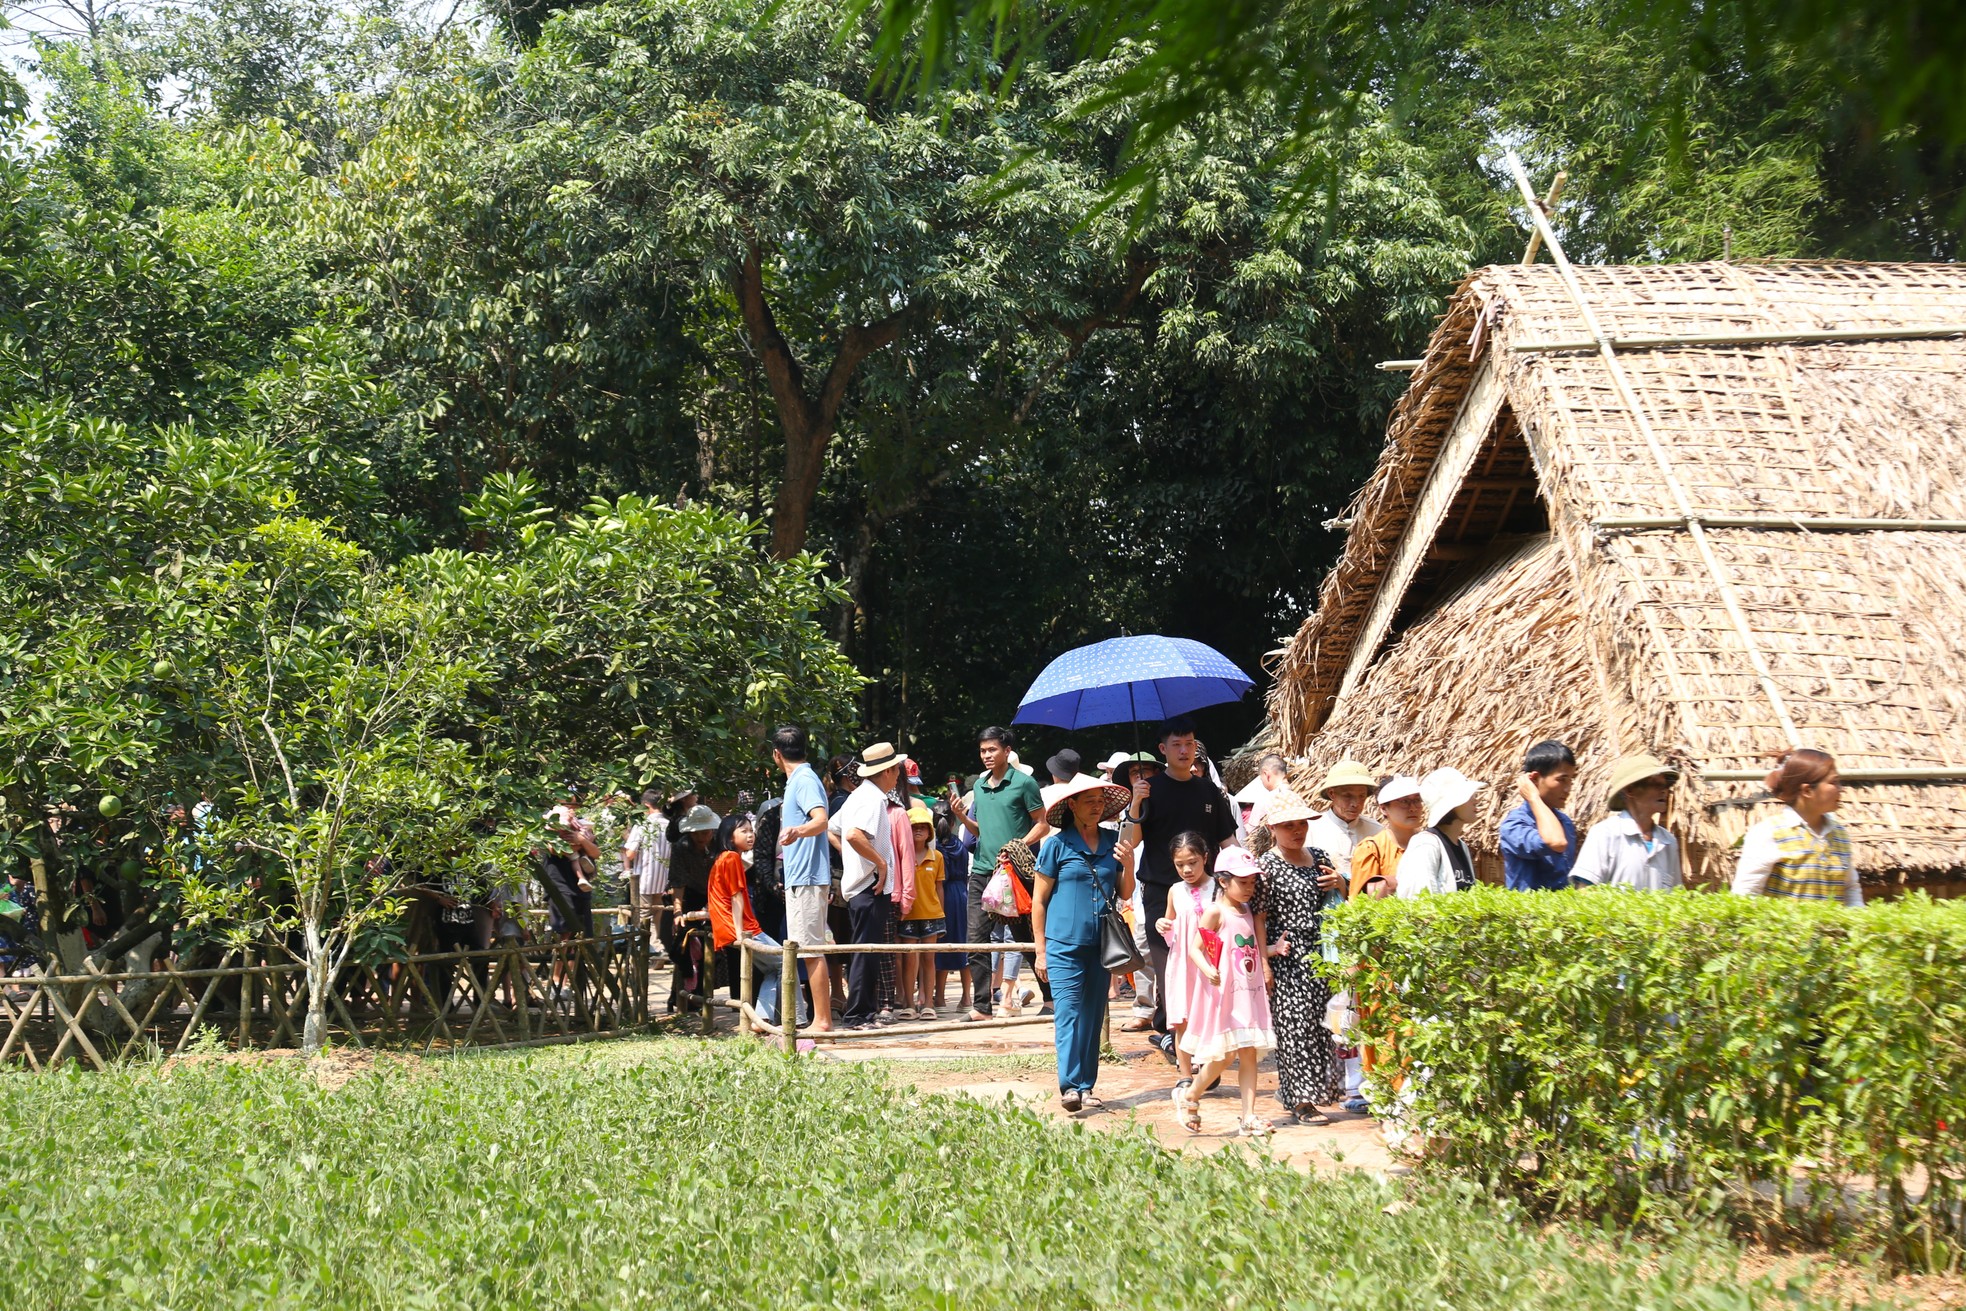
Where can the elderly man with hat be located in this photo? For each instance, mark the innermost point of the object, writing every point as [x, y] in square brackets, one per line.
[1343, 825]
[1631, 847]
[866, 837]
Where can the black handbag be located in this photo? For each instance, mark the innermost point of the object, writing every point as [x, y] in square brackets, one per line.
[1117, 952]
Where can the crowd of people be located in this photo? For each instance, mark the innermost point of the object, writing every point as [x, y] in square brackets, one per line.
[1224, 898]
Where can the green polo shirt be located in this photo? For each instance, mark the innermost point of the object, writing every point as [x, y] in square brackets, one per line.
[1002, 812]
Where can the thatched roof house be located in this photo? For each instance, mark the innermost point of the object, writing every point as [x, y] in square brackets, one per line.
[1755, 537]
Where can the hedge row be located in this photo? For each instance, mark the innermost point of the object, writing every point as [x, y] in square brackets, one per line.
[1645, 1053]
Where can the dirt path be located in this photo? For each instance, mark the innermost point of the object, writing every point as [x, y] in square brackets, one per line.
[1133, 1091]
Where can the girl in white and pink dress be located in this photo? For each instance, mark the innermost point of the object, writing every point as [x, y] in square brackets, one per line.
[1185, 903]
[1229, 1009]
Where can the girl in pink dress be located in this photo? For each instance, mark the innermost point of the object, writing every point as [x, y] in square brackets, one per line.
[1185, 903]
[1229, 1010]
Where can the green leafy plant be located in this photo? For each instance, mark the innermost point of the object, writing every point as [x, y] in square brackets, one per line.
[1651, 1055]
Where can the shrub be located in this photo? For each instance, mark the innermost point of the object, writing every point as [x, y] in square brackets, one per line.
[719, 1176]
[1653, 1053]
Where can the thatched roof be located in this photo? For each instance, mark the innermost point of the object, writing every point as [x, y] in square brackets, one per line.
[1489, 594]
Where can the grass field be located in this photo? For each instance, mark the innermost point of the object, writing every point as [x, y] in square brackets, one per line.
[676, 1174]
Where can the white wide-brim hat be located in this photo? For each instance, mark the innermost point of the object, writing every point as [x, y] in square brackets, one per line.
[1445, 789]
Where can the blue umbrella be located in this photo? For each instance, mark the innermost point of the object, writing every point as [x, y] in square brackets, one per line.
[1129, 679]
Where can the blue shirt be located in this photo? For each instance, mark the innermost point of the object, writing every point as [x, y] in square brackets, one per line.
[1088, 883]
[808, 861]
[1528, 865]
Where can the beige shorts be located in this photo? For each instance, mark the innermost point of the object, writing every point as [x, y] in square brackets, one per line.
[805, 914]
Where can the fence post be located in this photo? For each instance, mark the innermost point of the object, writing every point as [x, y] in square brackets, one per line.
[246, 1004]
[788, 996]
[708, 981]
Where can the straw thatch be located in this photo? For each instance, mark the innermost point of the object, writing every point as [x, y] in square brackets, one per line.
[1526, 616]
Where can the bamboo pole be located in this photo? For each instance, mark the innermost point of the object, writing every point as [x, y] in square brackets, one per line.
[1793, 337]
[912, 1030]
[1784, 522]
[1549, 209]
[246, 1003]
[788, 997]
[1934, 774]
[709, 984]
[745, 992]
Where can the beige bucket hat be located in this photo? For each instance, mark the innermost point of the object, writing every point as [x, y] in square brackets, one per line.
[1628, 770]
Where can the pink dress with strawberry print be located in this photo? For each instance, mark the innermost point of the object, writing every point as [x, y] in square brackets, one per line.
[1227, 1017]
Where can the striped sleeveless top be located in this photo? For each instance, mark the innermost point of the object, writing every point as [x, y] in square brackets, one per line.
[1813, 867]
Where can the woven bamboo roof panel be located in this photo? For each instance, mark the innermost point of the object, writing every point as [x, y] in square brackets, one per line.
[1863, 635]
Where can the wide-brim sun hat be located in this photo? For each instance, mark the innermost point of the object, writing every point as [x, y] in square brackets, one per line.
[1018, 765]
[1442, 791]
[701, 819]
[1058, 799]
[1286, 807]
[1347, 774]
[878, 759]
[1399, 786]
[1628, 770]
[1129, 765]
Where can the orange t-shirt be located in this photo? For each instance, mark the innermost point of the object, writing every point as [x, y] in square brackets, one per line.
[727, 881]
[1376, 858]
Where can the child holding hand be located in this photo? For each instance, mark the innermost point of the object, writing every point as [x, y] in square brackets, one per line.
[1185, 904]
[1229, 1011]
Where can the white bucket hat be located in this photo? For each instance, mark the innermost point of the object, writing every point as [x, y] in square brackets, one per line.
[1445, 789]
[701, 819]
[1399, 785]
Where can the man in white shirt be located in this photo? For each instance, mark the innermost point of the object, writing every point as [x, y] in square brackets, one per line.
[645, 863]
[1631, 847]
[866, 840]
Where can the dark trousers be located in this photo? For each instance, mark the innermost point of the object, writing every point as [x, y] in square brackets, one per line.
[980, 923]
[867, 912]
[1153, 899]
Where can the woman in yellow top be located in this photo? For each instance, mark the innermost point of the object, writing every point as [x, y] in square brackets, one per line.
[924, 922]
[1804, 852]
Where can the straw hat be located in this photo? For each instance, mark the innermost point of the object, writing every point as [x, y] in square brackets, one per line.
[1444, 790]
[1636, 769]
[1286, 806]
[1236, 862]
[1398, 786]
[878, 759]
[1347, 774]
[1058, 799]
[701, 819]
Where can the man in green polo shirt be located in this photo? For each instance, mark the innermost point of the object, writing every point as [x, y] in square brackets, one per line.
[1005, 805]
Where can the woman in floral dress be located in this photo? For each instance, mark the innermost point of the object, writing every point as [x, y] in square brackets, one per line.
[1289, 901]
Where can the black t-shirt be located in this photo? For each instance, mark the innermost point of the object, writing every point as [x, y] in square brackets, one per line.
[1174, 808]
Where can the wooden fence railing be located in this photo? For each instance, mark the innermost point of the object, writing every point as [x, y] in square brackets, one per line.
[502, 997]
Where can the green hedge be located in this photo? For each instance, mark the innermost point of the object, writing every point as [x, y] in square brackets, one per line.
[1648, 1053]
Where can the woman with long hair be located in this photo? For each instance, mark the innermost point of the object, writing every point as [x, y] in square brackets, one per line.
[1804, 852]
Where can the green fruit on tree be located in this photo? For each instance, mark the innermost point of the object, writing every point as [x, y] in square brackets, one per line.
[130, 869]
[111, 806]
[162, 669]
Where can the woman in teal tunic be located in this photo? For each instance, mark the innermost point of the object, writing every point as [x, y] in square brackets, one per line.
[1083, 870]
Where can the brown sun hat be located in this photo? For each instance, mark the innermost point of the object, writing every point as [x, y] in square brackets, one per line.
[1636, 769]
[1058, 798]
[1285, 806]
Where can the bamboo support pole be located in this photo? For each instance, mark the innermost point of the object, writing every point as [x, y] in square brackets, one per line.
[1713, 340]
[912, 1030]
[1549, 208]
[709, 982]
[246, 1004]
[788, 997]
[1784, 523]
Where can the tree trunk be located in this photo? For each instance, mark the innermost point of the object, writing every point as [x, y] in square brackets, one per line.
[808, 421]
[314, 1034]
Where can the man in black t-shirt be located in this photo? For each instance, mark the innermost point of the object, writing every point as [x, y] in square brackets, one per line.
[1180, 800]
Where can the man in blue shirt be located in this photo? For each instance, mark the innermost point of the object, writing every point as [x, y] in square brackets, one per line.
[808, 862]
[1539, 841]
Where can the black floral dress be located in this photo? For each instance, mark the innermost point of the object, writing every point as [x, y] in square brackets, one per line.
[1307, 1064]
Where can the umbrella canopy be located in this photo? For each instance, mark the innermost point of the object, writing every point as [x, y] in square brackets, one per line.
[1128, 679]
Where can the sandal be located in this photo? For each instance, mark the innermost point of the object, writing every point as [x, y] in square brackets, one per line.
[1188, 1112]
[1310, 1115]
[1255, 1127]
[1141, 1025]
